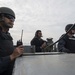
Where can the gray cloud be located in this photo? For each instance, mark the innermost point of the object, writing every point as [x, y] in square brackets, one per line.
[51, 16]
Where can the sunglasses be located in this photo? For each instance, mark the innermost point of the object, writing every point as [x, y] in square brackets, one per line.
[9, 17]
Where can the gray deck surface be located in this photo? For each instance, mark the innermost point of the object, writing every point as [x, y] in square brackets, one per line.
[57, 64]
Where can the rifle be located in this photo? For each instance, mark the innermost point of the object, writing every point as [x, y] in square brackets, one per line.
[61, 37]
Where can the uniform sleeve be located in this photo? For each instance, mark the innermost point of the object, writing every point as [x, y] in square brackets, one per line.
[43, 41]
[33, 42]
[61, 45]
[4, 62]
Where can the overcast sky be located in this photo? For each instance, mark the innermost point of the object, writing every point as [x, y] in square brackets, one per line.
[49, 16]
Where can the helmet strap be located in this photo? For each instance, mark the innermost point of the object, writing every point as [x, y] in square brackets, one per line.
[71, 33]
[5, 25]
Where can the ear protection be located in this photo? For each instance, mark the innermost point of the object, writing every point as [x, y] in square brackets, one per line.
[1, 17]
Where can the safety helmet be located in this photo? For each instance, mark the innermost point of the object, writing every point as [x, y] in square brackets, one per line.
[69, 26]
[6, 10]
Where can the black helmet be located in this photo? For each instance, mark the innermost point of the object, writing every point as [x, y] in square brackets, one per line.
[69, 26]
[6, 10]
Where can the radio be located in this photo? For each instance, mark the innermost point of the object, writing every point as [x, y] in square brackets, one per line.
[19, 42]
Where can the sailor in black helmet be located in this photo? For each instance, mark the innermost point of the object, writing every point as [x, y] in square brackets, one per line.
[67, 43]
[7, 51]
